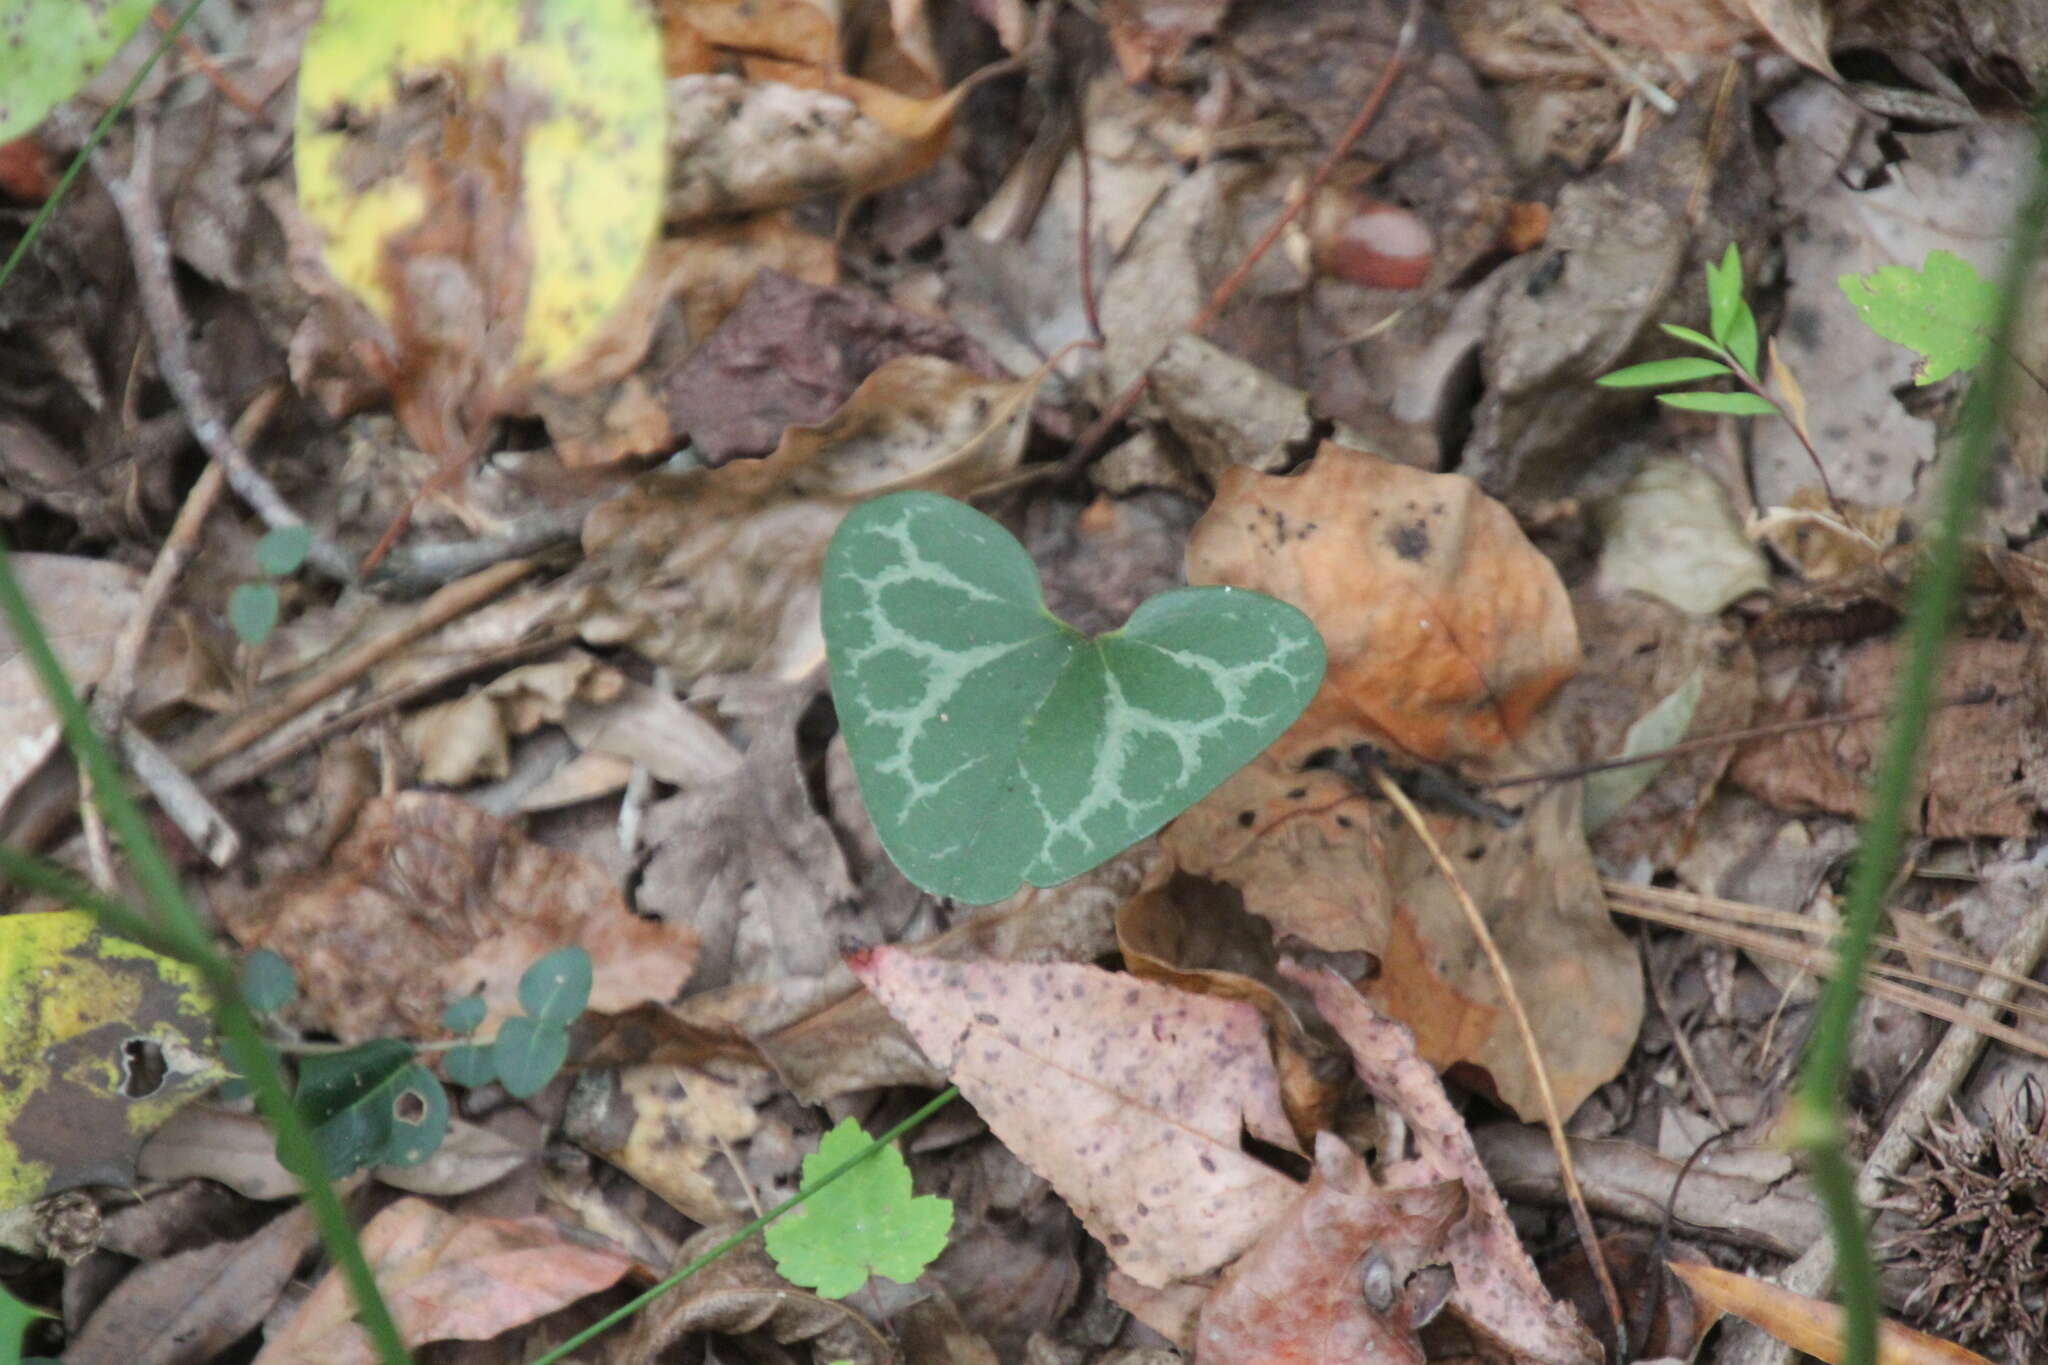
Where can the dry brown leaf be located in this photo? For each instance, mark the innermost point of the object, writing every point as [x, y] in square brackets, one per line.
[665, 1126]
[1350, 1272]
[429, 898]
[1446, 629]
[1196, 935]
[717, 570]
[190, 1308]
[1715, 27]
[470, 738]
[793, 132]
[1129, 1097]
[446, 1278]
[86, 602]
[610, 403]
[799, 30]
[1811, 1325]
[1448, 634]
[1498, 1293]
[1985, 770]
[1306, 849]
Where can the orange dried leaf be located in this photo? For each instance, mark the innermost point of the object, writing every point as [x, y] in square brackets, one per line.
[446, 1278]
[1808, 1324]
[1446, 629]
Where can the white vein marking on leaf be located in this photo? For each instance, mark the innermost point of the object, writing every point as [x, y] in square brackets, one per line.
[944, 670]
[1124, 723]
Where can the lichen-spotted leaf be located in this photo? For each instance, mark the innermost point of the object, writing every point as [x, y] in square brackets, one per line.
[994, 743]
[578, 85]
[50, 48]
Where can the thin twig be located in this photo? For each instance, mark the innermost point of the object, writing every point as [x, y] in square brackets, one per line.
[1943, 1072]
[150, 248]
[1976, 697]
[285, 743]
[443, 607]
[1679, 1040]
[1527, 1033]
[1091, 440]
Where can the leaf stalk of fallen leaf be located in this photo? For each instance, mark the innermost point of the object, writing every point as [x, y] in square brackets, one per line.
[627, 1310]
[1937, 590]
[1552, 1120]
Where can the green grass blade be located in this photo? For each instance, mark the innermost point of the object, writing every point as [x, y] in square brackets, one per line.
[1936, 593]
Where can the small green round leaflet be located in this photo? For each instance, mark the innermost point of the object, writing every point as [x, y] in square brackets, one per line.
[528, 1053]
[994, 743]
[253, 611]
[283, 550]
[268, 981]
[463, 1015]
[555, 989]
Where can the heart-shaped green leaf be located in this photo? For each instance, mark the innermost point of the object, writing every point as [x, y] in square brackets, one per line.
[994, 743]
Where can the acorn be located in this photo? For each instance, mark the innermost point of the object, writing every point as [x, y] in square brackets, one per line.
[1370, 242]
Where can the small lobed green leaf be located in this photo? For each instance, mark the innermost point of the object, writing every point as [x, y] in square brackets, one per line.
[994, 744]
[1943, 310]
[252, 611]
[463, 1015]
[283, 550]
[1724, 294]
[555, 989]
[49, 49]
[268, 981]
[527, 1053]
[867, 1222]
[1678, 370]
[472, 1064]
[1732, 404]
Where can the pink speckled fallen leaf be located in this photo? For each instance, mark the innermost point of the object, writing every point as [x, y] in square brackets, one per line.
[447, 1278]
[1130, 1097]
[1498, 1293]
[1351, 1272]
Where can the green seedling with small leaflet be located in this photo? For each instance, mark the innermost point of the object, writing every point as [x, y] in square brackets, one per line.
[253, 607]
[377, 1104]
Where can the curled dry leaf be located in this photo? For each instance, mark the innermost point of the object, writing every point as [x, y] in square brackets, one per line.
[1498, 1293]
[1448, 634]
[487, 187]
[665, 1126]
[792, 133]
[1986, 766]
[94, 599]
[1351, 1272]
[446, 1278]
[429, 898]
[1129, 1097]
[1446, 629]
[1811, 1325]
[717, 570]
